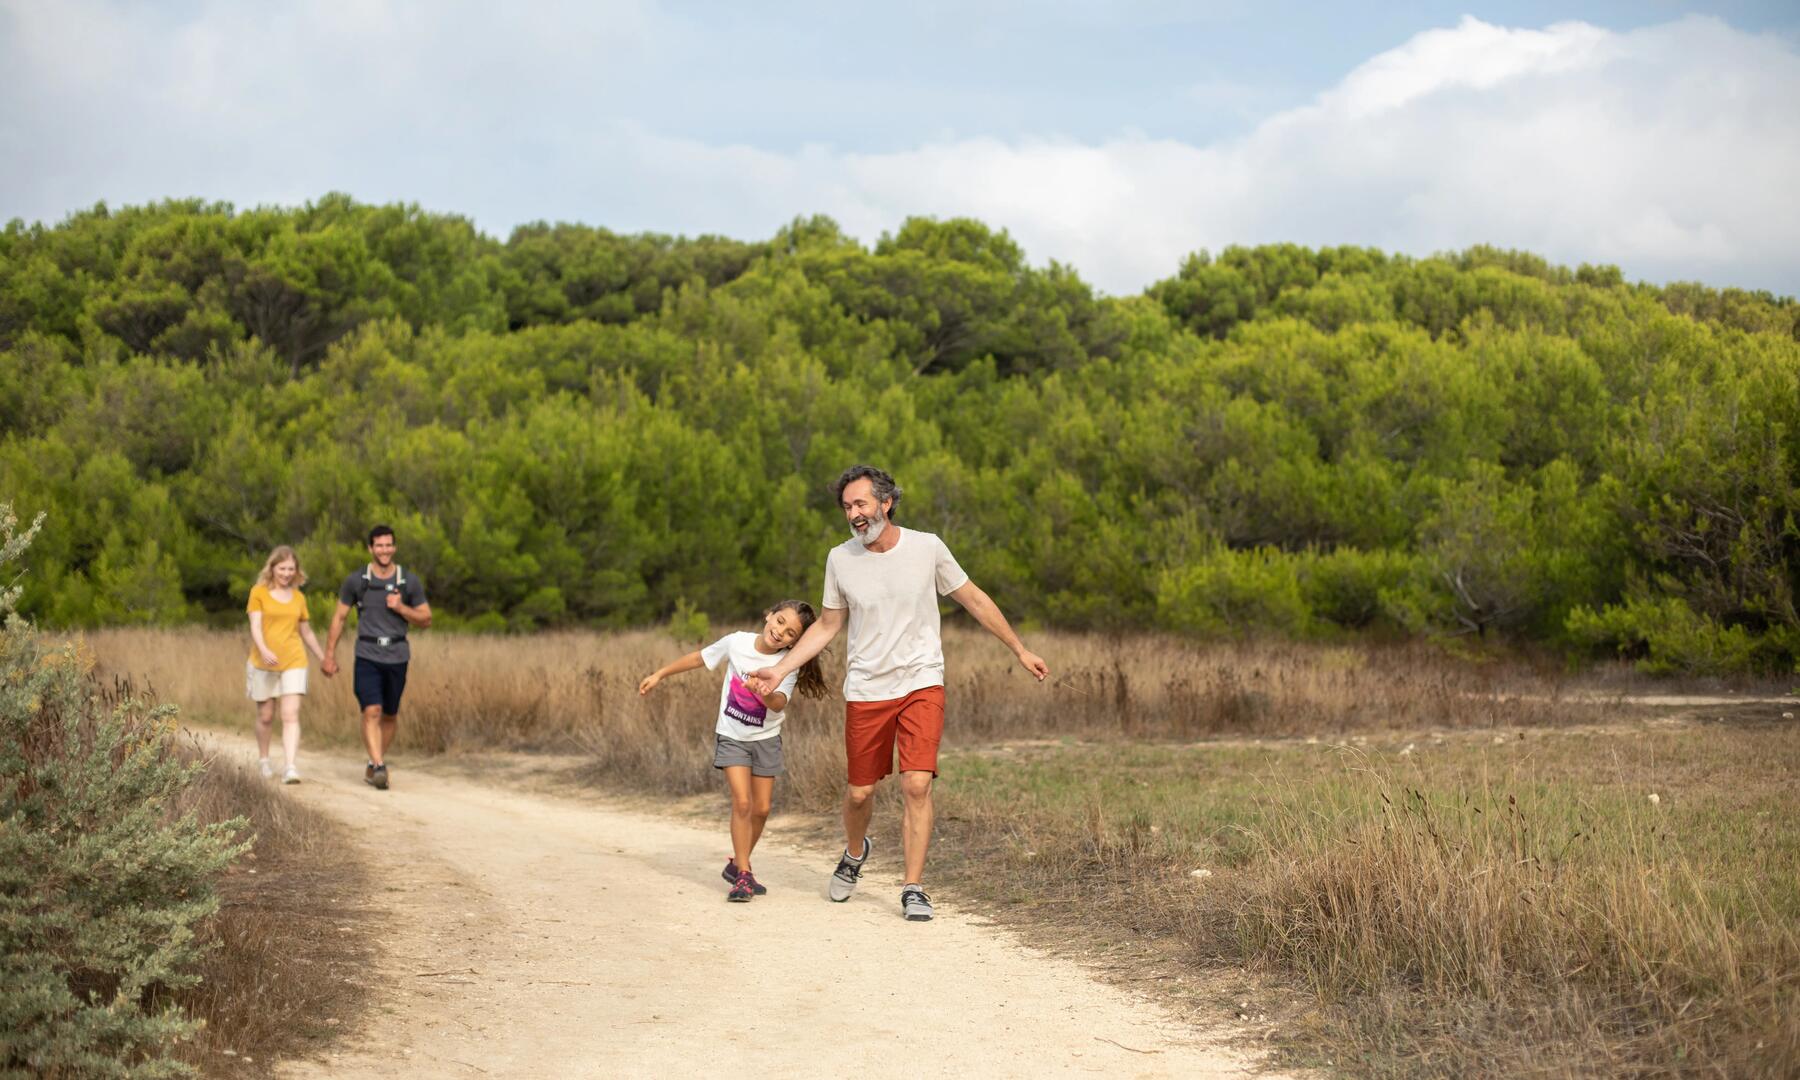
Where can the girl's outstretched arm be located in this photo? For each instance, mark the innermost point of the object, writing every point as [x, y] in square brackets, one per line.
[674, 667]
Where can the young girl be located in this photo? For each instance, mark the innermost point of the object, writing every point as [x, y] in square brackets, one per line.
[747, 744]
[280, 634]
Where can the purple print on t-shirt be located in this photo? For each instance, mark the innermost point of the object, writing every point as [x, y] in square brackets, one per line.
[743, 706]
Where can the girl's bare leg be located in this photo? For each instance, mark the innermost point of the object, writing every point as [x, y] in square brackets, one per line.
[290, 728]
[762, 800]
[743, 827]
[265, 718]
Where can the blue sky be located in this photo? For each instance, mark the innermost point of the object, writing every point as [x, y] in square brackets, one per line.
[1195, 71]
[1111, 136]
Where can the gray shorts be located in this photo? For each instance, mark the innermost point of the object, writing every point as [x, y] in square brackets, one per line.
[763, 755]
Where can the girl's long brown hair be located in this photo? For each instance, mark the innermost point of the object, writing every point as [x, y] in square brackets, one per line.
[811, 682]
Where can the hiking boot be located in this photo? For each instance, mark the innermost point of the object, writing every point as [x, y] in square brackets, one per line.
[915, 904]
[268, 769]
[369, 773]
[843, 879]
[742, 889]
[730, 873]
[377, 777]
[292, 776]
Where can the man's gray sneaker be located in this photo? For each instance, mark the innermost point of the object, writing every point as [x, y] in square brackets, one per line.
[915, 903]
[843, 879]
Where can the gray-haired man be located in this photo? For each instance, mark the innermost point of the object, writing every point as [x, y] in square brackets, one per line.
[885, 582]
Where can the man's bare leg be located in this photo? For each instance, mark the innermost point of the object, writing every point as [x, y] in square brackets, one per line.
[915, 822]
[374, 737]
[859, 806]
[389, 725]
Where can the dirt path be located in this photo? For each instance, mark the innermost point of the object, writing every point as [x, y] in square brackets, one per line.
[540, 936]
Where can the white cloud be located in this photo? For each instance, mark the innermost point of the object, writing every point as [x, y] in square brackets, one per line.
[1672, 150]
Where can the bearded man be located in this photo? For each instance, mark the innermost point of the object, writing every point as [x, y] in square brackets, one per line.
[885, 582]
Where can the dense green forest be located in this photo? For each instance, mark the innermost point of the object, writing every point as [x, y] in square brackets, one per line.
[580, 427]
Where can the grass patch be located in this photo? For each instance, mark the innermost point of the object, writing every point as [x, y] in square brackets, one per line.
[281, 980]
[1520, 908]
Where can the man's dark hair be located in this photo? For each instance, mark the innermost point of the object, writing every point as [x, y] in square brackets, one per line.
[884, 485]
[379, 530]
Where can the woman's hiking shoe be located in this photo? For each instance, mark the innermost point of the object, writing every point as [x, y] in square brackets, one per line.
[730, 873]
[742, 889]
[843, 879]
[292, 776]
[267, 767]
[915, 904]
[376, 776]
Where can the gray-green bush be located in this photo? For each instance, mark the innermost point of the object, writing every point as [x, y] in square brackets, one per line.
[102, 888]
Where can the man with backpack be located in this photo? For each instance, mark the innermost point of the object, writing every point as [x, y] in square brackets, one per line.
[388, 601]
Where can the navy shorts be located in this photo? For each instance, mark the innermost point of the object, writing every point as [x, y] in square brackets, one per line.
[380, 684]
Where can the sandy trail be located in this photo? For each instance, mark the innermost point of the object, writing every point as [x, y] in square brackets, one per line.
[536, 935]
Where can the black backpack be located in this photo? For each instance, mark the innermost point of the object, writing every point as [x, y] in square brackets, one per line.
[371, 582]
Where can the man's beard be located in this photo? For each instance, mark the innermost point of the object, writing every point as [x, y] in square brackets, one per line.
[876, 525]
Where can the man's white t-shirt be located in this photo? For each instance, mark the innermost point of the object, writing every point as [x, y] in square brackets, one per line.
[895, 646]
[742, 715]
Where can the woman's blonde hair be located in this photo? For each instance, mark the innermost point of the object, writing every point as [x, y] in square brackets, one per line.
[281, 554]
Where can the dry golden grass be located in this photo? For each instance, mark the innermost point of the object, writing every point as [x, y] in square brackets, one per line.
[578, 690]
[281, 978]
[1468, 908]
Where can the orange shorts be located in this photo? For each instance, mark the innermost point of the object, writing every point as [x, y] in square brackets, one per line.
[872, 730]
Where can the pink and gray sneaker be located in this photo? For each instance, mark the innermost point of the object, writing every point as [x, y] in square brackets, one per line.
[730, 873]
[742, 889]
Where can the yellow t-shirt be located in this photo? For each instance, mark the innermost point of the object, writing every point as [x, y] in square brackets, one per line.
[281, 629]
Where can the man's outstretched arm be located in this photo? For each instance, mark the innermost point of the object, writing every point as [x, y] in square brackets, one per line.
[987, 613]
[811, 644]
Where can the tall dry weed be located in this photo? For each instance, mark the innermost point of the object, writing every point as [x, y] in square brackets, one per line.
[283, 977]
[1572, 940]
[489, 691]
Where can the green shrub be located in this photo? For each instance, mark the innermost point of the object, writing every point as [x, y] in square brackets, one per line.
[689, 624]
[102, 887]
[1667, 636]
[1344, 586]
[1229, 593]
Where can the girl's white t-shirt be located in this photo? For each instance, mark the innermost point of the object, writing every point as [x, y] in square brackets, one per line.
[742, 715]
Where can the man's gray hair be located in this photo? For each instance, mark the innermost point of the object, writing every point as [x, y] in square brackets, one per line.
[884, 485]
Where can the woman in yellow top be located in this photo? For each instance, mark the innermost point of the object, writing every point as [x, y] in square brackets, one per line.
[277, 665]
